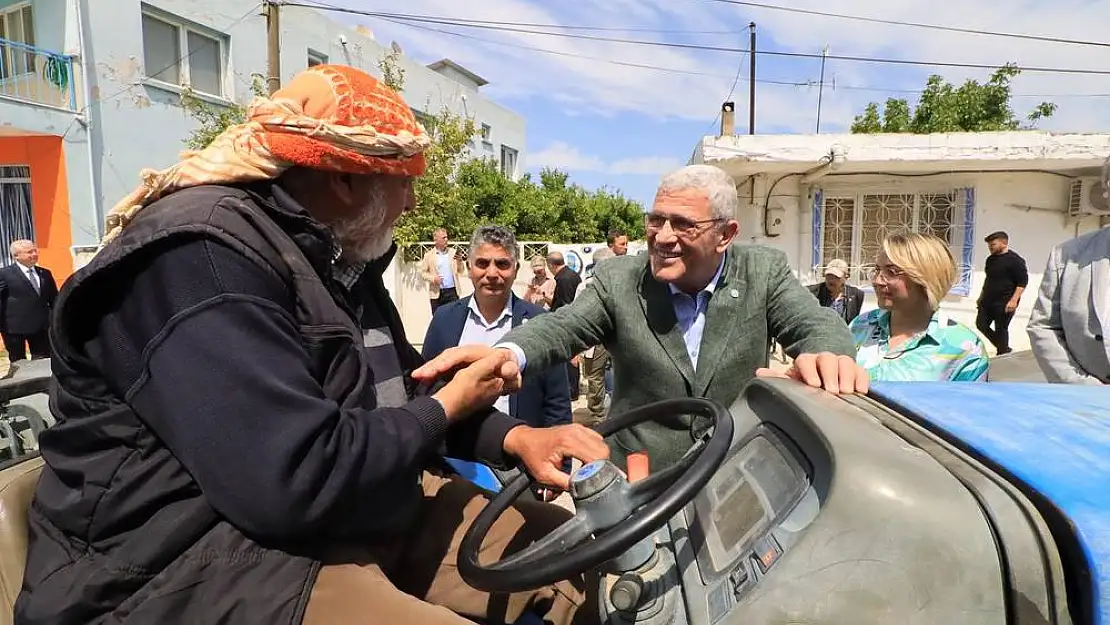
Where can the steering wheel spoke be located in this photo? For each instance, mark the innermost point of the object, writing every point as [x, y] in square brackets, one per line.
[564, 538]
[627, 513]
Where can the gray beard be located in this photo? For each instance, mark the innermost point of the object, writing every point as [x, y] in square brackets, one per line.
[365, 237]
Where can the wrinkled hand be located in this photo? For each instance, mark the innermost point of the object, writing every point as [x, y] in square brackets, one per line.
[481, 375]
[456, 358]
[835, 374]
[542, 450]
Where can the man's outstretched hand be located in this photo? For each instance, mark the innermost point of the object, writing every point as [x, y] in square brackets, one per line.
[835, 374]
[542, 450]
[501, 361]
[480, 375]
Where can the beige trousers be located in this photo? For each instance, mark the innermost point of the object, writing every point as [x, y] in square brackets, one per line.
[415, 580]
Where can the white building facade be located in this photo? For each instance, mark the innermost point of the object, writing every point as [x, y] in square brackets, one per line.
[819, 197]
[90, 95]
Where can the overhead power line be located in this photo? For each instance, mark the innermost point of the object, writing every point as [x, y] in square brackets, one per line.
[673, 70]
[693, 46]
[951, 29]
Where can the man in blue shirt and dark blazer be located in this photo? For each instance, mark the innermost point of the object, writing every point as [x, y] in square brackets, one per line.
[487, 315]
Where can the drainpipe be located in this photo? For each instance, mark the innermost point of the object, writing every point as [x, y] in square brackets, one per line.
[88, 68]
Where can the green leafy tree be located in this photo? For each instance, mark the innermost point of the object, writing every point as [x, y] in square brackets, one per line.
[213, 119]
[944, 107]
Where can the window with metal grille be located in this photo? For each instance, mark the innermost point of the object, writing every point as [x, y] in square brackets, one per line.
[16, 217]
[851, 227]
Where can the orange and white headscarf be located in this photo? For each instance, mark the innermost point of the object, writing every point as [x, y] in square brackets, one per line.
[329, 117]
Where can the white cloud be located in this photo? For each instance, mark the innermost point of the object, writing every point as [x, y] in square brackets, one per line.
[568, 158]
[597, 87]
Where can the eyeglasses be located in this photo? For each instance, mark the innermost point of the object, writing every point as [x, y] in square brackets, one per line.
[682, 226]
[888, 272]
[502, 264]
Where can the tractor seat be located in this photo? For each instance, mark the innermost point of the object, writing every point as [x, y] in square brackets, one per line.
[17, 487]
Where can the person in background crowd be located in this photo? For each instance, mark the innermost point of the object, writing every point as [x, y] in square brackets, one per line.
[595, 360]
[27, 294]
[908, 337]
[835, 292]
[618, 242]
[239, 439]
[1006, 279]
[566, 285]
[440, 268]
[483, 319]
[541, 289]
[1070, 323]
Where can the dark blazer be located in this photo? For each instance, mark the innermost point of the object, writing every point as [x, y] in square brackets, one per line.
[544, 397]
[22, 310]
[852, 295]
[566, 285]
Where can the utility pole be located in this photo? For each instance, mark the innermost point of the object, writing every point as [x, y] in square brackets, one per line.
[273, 52]
[821, 88]
[751, 82]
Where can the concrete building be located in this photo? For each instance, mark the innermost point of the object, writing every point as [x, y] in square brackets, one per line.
[819, 197]
[90, 96]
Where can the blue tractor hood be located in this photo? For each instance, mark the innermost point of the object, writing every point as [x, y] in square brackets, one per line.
[1053, 438]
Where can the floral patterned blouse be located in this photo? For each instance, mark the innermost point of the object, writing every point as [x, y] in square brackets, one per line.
[945, 351]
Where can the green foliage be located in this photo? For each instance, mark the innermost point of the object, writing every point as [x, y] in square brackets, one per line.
[944, 107]
[213, 119]
[460, 193]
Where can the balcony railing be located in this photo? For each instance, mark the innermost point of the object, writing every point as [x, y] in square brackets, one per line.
[31, 74]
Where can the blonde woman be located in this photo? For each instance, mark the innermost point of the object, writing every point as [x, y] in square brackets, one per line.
[907, 337]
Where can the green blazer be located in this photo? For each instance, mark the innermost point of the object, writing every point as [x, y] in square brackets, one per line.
[628, 311]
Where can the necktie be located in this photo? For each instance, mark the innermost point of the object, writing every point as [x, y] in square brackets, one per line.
[34, 278]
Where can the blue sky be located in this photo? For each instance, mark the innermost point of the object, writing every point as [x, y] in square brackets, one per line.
[622, 127]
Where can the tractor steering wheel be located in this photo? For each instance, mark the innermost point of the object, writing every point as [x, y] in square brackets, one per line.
[612, 514]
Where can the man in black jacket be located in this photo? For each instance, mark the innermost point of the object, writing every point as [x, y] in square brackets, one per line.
[239, 438]
[27, 294]
[566, 285]
[836, 293]
[1006, 277]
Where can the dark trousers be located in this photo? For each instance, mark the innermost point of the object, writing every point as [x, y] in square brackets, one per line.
[574, 376]
[16, 345]
[999, 335]
[446, 296]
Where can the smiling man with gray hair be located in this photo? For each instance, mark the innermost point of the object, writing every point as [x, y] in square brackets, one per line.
[692, 318]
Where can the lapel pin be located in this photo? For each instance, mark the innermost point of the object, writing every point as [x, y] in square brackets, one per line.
[734, 293]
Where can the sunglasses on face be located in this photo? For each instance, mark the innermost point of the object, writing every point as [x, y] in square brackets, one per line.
[502, 264]
[682, 226]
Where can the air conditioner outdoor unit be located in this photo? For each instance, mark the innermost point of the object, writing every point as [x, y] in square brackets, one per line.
[1087, 197]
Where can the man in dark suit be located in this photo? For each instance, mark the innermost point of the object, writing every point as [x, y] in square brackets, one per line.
[487, 315]
[27, 294]
[566, 286]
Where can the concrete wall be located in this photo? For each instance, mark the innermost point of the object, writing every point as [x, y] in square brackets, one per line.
[134, 123]
[1001, 204]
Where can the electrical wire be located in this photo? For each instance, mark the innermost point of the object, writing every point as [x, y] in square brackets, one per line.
[699, 47]
[671, 70]
[887, 22]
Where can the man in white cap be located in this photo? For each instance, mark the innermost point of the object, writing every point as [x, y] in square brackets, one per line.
[835, 292]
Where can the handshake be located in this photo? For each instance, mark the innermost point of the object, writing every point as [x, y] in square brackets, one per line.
[479, 375]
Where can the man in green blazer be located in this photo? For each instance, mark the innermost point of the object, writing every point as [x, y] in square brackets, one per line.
[692, 318]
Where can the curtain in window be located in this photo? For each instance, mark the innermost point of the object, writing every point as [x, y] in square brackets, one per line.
[818, 206]
[16, 221]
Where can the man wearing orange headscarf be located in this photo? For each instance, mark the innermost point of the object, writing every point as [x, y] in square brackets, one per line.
[239, 439]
